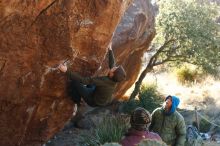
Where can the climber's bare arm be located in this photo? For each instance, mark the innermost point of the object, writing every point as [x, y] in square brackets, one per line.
[111, 57]
[110, 46]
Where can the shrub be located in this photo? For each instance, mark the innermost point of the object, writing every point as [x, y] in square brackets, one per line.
[129, 106]
[111, 129]
[204, 126]
[149, 99]
[186, 75]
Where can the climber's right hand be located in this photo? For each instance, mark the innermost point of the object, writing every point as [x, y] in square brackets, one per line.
[110, 46]
[62, 68]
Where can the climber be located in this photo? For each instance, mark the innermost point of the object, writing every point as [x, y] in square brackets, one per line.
[96, 91]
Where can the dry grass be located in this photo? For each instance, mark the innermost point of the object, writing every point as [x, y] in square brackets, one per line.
[211, 144]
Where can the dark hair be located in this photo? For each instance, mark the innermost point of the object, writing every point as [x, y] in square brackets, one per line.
[140, 119]
[119, 74]
[169, 96]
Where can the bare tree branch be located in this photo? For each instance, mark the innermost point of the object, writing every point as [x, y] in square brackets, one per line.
[148, 68]
[162, 47]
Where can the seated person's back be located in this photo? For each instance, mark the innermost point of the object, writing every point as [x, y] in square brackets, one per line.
[140, 121]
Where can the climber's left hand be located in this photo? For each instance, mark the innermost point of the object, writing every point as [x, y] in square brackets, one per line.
[62, 68]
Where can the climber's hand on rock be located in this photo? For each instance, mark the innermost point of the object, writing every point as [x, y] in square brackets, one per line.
[110, 46]
[62, 68]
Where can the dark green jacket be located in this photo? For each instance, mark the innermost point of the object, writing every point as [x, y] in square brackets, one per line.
[104, 85]
[171, 128]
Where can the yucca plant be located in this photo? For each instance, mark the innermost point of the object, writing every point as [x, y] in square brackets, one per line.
[111, 129]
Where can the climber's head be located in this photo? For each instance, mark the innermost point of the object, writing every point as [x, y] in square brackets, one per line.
[117, 74]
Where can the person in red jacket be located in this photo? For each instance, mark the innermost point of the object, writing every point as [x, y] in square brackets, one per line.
[140, 121]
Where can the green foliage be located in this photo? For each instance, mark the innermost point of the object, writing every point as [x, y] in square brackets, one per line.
[111, 129]
[149, 99]
[129, 106]
[187, 32]
[187, 75]
[89, 139]
[204, 126]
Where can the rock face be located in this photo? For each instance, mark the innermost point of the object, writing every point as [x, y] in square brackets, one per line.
[131, 39]
[35, 36]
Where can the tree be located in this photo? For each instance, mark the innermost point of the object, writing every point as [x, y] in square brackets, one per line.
[187, 32]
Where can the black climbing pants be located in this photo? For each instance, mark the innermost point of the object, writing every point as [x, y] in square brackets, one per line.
[77, 90]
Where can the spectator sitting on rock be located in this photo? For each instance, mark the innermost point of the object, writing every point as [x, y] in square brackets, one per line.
[140, 121]
[193, 137]
[96, 91]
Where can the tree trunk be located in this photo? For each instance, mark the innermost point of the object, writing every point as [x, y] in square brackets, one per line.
[139, 82]
[152, 62]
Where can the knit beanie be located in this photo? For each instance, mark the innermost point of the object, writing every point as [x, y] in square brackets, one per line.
[140, 119]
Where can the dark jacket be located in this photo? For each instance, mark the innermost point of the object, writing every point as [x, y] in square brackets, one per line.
[170, 126]
[104, 85]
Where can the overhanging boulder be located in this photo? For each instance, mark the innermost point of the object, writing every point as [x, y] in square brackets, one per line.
[35, 36]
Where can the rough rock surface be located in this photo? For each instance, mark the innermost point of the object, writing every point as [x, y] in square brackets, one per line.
[74, 132]
[131, 39]
[35, 36]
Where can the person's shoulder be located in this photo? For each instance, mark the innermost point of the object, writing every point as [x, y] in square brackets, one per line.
[152, 142]
[155, 135]
[178, 116]
[157, 110]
